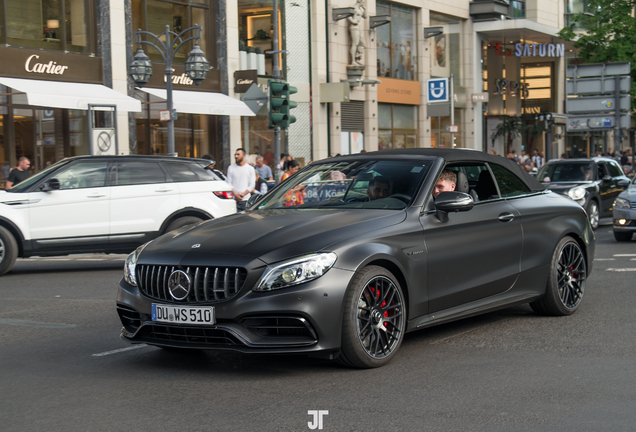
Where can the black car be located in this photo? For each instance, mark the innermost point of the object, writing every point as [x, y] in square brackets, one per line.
[624, 214]
[319, 266]
[593, 183]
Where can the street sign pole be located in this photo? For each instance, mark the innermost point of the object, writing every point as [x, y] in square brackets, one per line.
[276, 77]
[452, 108]
[617, 95]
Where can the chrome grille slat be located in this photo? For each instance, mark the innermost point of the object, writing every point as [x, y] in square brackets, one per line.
[205, 283]
[207, 287]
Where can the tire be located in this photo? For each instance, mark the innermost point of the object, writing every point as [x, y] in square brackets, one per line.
[183, 221]
[374, 319]
[8, 250]
[593, 214]
[566, 282]
[623, 236]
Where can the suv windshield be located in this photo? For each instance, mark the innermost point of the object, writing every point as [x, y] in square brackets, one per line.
[567, 172]
[362, 185]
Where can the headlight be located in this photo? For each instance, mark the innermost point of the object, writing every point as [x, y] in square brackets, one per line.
[622, 203]
[129, 265]
[577, 193]
[296, 271]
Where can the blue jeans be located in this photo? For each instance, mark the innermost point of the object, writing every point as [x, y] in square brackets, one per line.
[241, 205]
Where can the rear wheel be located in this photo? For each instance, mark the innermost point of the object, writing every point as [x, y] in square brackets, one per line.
[183, 221]
[623, 236]
[374, 319]
[8, 250]
[593, 214]
[566, 282]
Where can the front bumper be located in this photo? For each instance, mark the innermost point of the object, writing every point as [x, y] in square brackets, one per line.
[628, 215]
[304, 318]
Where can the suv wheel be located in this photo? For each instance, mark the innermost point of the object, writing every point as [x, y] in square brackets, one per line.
[8, 250]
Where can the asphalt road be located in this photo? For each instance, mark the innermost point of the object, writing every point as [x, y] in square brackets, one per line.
[64, 368]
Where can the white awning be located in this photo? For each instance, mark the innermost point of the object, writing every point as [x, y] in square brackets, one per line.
[70, 95]
[192, 102]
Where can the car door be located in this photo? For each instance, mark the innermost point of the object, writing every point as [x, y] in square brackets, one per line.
[618, 184]
[606, 188]
[475, 254]
[142, 198]
[79, 209]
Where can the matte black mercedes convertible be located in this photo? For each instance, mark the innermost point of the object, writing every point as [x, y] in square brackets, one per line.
[349, 254]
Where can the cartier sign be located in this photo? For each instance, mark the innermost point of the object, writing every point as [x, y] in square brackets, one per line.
[244, 79]
[181, 81]
[50, 66]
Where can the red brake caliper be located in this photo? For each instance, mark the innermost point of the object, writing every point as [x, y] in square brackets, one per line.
[377, 297]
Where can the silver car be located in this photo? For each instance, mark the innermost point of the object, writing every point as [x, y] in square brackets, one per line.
[624, 213]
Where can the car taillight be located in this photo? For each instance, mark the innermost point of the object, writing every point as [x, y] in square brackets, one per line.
[224, 195]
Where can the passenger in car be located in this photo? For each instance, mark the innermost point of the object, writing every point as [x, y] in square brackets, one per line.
[379, 187]
[445, 183]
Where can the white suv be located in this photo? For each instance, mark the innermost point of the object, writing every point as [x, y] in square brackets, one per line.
[107, 204]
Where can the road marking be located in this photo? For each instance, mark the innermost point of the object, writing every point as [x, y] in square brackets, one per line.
[27, 323]
[622, 270]
[120, 350]
[624, 255]
[604, 259]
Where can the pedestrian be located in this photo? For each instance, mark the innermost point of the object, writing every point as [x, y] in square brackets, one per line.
[280, 166]
[523, 158]
[241, 178]
[264, 171]
[292, 168]
[537, 159]
[20, 173]
[260, 185]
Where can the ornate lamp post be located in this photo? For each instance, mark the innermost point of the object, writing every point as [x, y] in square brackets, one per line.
[167, 44]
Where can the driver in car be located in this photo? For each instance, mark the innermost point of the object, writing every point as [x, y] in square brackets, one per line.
[379, 187]
[445, 183]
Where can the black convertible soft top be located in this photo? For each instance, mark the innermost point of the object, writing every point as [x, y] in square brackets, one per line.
[450, 156]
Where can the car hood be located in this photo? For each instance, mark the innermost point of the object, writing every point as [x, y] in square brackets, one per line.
[564, 187]
[270, 235]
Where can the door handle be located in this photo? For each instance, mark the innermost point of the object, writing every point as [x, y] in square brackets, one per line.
[163, 190]
[506, 217]
[95, 196]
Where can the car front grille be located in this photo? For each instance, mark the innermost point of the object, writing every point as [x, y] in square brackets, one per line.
[208, 284]
[187, 336]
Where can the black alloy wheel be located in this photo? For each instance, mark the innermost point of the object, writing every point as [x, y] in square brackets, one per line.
[374, 319]
[566, 282]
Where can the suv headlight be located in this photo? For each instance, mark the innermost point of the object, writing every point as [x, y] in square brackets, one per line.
[131, 263]
[295, 271]
[577, 193]
[622, 203]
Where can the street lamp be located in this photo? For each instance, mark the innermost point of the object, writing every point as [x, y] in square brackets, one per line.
[167, 44]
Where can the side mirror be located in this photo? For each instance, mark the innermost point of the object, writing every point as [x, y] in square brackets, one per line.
[253, 200]
[447, 202]
[607, 179]
[49, 185]
[623, 183]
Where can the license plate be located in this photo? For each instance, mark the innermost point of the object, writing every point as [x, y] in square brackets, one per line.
[201, 315]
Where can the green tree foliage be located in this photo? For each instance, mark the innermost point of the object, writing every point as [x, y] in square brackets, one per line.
[606, 34]
[509, 128]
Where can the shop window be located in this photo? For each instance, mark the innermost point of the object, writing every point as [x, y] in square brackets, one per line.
[576, 7]
[48, 24]
[518, 9]
[256, 35]
[397, 126]
[396, 42]
[446, 48]
[179, 16]
[440, 138]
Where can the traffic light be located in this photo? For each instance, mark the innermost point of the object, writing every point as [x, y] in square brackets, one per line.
[280, 104]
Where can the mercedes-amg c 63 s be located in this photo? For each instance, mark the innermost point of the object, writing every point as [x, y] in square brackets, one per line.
[348, 255]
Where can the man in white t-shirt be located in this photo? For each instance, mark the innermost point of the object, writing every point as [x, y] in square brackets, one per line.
[241, 177]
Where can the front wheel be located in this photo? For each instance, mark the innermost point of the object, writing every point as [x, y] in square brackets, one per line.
[593, 214]
[566, 282]
[374, 319]
[8, 250]
[623, 236]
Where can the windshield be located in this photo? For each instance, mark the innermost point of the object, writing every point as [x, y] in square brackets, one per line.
[567, 172]
[362, 185]
[26, 184]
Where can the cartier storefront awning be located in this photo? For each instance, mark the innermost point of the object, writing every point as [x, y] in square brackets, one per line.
[199, 102]
[68, 95]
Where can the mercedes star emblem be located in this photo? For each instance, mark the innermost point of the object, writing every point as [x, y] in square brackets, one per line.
[194, 246]
[179, 284]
